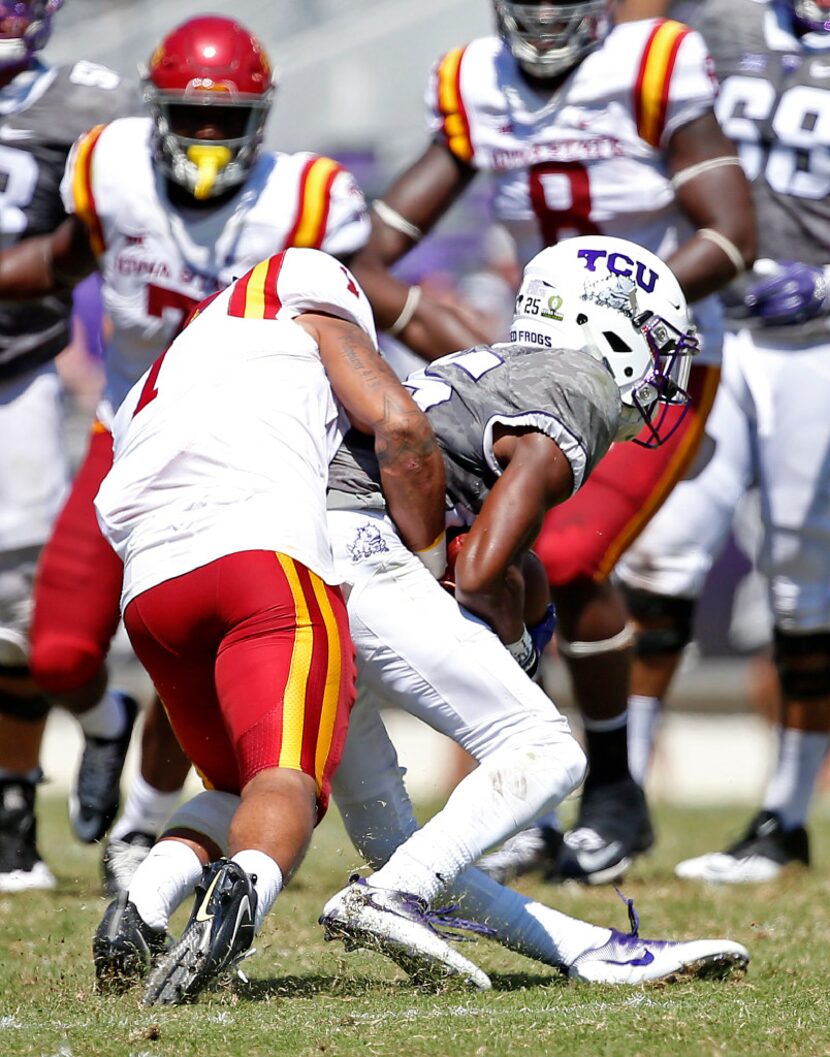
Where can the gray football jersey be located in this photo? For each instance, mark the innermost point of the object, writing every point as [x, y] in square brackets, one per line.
[774, 103]
[566, 395]
[42, 112]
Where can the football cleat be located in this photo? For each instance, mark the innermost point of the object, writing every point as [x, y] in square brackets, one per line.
[21, 867]
[612, 828]
[219, 934]
[96, 793]
[403, 928]
[125, 947]
[536, 848]
[122, 857]
[626, 959]
[763, 852]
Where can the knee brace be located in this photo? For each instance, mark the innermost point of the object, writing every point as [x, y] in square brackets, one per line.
[26, 709]
[675, 617]
[799, 681]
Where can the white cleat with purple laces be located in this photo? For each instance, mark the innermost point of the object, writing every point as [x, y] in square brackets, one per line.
[626, 959]
[402, 927]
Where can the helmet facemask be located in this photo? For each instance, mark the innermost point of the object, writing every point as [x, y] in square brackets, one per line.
[547, 39]
[25, 26]
[207, 167]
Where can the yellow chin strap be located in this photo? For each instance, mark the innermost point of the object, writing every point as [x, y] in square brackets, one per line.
[208, 159]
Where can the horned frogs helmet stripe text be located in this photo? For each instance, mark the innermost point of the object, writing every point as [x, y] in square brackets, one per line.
[313, 206]
[456, 126]
[651, 89]
[82, 192]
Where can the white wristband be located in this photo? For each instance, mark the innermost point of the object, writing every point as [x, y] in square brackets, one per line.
[522, 651]
[434, 556]
[410, 305]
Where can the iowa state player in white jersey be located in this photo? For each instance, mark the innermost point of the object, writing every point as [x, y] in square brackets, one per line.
[168, 208]
[43, 109]
[587, 129]
[216, 503]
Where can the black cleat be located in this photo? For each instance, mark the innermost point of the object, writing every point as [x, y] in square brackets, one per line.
[219, 934]
[761, 854]
[125, 947]
[21, 867]
[613, 827]
[96, 793]
[122, 857]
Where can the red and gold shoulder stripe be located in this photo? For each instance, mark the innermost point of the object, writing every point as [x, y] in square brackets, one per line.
[82, 193]
[456, 125]
[255, 294]
[313, 201]
[651, 89]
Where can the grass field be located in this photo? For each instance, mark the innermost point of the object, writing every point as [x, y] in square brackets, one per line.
[310, 999]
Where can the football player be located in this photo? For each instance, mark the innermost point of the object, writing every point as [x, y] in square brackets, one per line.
[168, 208]
[769, 426]
[43, 109]
[584, 128]
[216, 503]
[521, 425]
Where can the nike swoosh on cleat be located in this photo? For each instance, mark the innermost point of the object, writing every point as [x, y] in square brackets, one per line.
[201, 913]
[644, 959]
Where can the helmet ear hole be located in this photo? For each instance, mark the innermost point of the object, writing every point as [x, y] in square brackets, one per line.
[615, 342]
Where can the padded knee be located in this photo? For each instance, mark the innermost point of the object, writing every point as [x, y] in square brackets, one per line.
[673, 617]
[27, 709]
[61, 665]
[803, 663]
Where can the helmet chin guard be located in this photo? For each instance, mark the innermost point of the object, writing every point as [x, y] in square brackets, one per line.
[547, 38]
[622, 305]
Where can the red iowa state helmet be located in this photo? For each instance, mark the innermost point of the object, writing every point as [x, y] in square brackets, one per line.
[209, 62]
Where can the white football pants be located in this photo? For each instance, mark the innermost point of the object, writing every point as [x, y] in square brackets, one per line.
[769, 426]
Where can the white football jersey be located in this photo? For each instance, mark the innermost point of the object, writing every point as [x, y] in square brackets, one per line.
[158, 262]
[589, 159]
[224, 444]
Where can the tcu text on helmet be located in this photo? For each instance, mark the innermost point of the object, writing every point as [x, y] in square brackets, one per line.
[620, 264]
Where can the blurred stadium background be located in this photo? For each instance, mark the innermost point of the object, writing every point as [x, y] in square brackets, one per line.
[351, 81]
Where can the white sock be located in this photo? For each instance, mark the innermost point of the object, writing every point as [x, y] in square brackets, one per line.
[643, 714]
[500, 796]
[790, 790]
[107, 719]
[146, 810]
[166, 877]
[523, 925]
[267, 878]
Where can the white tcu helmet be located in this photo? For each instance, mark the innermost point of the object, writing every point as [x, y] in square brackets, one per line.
[624, 306]
[548, 37]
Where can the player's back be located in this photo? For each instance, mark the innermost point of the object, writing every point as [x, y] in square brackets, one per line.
[42, 112]
[565, 394]
[224, 444]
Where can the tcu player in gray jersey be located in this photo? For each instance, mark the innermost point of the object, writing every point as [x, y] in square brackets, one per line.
[769, 426]
[600, 336]
[42, 111]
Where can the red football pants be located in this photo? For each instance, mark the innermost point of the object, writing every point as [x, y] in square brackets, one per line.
[252, 657]
[584, 537]
[78, 584]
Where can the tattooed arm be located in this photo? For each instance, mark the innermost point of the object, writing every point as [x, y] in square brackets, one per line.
[411, 465]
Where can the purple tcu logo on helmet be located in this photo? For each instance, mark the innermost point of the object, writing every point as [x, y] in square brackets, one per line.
[620, 264]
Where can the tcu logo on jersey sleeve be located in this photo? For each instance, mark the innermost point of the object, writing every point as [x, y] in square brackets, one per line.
[621, 265]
